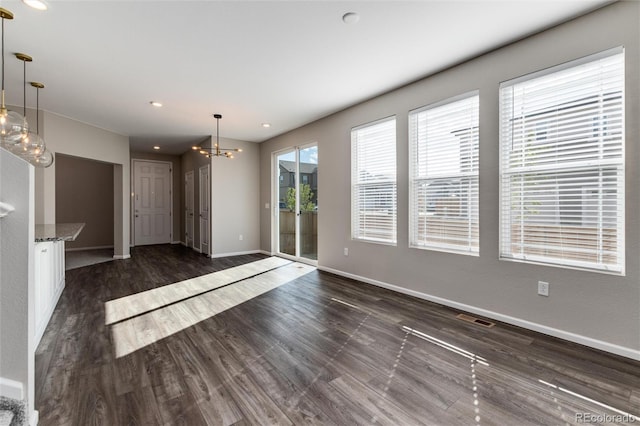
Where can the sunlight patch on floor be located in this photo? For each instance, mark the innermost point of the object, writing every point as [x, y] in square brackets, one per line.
[163, 320]
[139, 303]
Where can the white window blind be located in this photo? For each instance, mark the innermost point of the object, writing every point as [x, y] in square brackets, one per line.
[373, 182]
[443, 143]
[562, 165]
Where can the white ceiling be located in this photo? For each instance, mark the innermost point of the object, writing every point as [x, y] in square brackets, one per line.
[285, 62]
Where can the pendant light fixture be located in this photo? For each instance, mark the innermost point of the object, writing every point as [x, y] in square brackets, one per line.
[39, 156]
[10, 121]
[216, 151]
[18, 138]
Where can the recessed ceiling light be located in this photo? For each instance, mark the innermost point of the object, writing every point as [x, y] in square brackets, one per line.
[266, 125]
[36, 4]
[156, 104]
[350, 18]
[156, 147]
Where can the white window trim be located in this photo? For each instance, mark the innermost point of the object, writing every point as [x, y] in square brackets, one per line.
[442, 247]
[354, 232]
[587, 165]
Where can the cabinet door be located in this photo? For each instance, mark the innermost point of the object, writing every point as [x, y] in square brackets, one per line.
[44, 281]
[58, 269]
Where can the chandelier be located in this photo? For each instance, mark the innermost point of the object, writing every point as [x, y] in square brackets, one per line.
[216, 150]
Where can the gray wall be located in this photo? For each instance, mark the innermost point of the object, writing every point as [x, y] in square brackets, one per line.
[176, 187]
[597, 309]
[236, 202]
[81, 186]
[66, 136]
[234, 197]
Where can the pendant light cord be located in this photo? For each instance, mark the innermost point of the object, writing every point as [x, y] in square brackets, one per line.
[24, 88]
[2, 107]
[38, 111]
[3, 59]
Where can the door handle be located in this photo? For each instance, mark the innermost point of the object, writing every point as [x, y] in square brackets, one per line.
[136, 215]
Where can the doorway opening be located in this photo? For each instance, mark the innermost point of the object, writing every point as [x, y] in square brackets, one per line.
[296, 203]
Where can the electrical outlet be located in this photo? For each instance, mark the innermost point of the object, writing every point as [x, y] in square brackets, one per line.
[266, 205]
[241, 237]
[543, 288]
[346, 251]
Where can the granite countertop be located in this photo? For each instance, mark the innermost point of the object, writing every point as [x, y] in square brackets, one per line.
[58, 231]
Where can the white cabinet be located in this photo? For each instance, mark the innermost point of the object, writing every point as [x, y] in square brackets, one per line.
[49, 282]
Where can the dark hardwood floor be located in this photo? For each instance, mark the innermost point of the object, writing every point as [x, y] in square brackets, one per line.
[320, 350]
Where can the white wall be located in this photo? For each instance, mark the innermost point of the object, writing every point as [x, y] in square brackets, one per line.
[595, 309]
[17, 242]
[70, 137]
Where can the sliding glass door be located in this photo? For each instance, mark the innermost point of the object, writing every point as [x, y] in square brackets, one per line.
[296, 190]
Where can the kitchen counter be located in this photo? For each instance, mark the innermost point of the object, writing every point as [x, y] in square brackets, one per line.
[58, 231]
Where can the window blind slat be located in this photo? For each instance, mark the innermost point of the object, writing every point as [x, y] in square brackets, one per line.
[562, 166]
[443, 141]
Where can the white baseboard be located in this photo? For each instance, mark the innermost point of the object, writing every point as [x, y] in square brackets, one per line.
[177, 242]
[88, 248]
[268, 253]
[236, 253]
[121, 256]
[11, 389]
[562, 334]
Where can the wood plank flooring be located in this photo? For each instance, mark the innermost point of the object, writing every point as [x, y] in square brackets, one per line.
[318, 349]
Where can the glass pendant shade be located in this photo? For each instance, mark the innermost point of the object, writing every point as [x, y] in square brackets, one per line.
[12, 128]
[30, 145]
[43, 160]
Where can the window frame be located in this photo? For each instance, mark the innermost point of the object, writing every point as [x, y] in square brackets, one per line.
[601, 166]
[357, 233]
[472, 212]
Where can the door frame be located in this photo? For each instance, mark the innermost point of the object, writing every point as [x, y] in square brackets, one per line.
[275, 211]
[132, 204]
[193, 208]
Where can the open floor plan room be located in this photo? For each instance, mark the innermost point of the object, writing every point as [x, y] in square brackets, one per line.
[313, 349]
[271, 212]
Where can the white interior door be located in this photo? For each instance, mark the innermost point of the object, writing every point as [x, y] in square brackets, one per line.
[152, 191]
[205, 230]
[189, 214]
